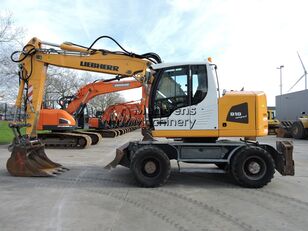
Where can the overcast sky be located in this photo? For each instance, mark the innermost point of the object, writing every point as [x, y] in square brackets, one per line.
[247, 39]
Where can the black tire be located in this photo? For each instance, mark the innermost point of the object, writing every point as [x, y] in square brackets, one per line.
[150, 166]
[298, 131]
[252, 167]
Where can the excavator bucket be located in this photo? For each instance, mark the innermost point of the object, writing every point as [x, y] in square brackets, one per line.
[120, 158]
[28, 157]
[31, 160]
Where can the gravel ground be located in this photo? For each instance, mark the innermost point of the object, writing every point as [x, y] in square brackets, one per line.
[88, 197]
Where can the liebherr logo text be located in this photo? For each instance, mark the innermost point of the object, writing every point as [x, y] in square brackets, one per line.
[99, 66]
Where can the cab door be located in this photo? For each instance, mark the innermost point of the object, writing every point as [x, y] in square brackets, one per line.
[204, 106]
[171, 99]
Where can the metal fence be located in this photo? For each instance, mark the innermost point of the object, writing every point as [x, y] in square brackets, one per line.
[7, 112]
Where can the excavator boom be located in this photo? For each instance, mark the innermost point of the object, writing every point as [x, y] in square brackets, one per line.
[33, 61]
[89, 91]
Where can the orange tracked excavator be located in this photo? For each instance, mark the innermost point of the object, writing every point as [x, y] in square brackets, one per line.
[133, 111]
[62, 122]
[118, 115]
[137, 114]
[119, 118]
[28, 157]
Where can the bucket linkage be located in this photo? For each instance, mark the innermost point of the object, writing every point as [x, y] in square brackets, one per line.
[28, 157]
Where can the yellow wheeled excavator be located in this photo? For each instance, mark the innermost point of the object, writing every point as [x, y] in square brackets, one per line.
[182, 102]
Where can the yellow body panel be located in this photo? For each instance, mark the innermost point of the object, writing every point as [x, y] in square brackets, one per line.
[253, 123]
[261, 115]
[257, 114]
[224, 105]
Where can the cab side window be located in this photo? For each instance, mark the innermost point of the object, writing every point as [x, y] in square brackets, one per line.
[199, 83]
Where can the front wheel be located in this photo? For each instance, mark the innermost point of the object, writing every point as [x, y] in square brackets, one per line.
[252, 167]
[150, 166]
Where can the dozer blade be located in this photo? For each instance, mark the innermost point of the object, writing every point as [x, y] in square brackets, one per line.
[31, 160]
[120, 158]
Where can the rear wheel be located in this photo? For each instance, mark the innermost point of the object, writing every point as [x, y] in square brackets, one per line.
[252, 167]
[150, 166]
[298, 131]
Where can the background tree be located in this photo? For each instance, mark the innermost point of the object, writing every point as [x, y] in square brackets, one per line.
[10, 40]
[63, 82]
[60, 81]
[100, 103]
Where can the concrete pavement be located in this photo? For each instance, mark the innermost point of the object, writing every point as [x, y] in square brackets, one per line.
[89, 197]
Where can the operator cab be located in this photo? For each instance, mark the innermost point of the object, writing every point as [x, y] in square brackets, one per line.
[183, 98]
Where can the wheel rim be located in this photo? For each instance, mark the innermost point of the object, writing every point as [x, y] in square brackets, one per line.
[254, 168]
[150, 167]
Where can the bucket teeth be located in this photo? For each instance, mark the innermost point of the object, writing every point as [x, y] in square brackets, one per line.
[27, 160]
